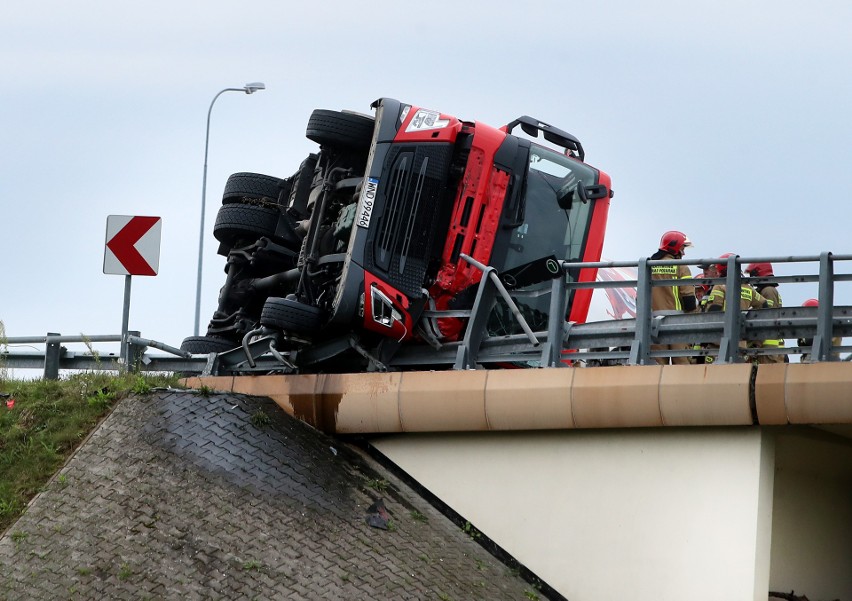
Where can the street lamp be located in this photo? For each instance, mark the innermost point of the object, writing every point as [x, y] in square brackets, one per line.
[249, 88]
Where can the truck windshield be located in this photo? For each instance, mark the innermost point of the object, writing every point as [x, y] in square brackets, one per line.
[547, 230]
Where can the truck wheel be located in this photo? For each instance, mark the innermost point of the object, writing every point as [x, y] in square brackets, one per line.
[290, 315]
[202, 345]
[339, 129]
[236, 221]
[254, 186]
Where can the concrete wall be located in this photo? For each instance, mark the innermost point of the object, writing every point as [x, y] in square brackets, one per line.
[812, 518]
[613, 514]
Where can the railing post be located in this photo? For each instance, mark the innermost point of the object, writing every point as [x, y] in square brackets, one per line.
[822, 347]
[52, 352]
[486, 297]
[640, 350]
[133, 351]
[551, 355]
[730, 342]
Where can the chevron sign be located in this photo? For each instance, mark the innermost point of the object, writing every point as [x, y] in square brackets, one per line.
[132, 245]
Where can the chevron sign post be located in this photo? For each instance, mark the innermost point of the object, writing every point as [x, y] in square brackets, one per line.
[132, 248]
[132, 245]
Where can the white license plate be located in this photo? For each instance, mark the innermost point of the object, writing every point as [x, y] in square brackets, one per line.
[367, 202]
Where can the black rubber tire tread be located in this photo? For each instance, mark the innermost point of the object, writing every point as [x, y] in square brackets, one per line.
[290, 315]
[202, 345]
[255, 185]
[338, 129]
[236, 221]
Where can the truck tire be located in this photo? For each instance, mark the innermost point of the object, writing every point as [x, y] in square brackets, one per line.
[241, 222]
[290, 315]
[202, 345]
[340, 129]
[255, 186]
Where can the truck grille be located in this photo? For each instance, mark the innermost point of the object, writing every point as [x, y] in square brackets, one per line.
[410, 198]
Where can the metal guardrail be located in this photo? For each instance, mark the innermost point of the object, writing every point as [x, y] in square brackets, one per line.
[630, 341]
[624, 341]
[131, 356]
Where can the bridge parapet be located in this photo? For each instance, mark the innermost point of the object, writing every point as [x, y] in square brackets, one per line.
[558, 399]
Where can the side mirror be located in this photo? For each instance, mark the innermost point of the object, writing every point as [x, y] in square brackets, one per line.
[593, 192]
[565, 195]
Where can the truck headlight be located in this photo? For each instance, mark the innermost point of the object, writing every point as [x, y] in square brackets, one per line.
[381, 305]
[424, 119]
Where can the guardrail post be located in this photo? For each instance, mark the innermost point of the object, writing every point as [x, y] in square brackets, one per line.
[640, 349]
[551, 354]
[132, 351]
[730, 342]
[52, 352]
[822, 341]
[486, 297]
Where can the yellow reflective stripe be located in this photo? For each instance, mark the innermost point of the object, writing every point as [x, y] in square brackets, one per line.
[677, 291]
[778, 343]
[746, 294]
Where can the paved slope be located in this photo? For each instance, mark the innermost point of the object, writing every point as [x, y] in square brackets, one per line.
[181, 496]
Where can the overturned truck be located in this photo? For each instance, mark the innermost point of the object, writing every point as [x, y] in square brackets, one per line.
[378, 241]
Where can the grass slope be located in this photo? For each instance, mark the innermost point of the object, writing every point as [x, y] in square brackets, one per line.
[42, 422]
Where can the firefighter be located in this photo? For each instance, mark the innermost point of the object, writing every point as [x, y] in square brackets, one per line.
[769, 290]
[835, 342]
[749, 297]
[680, 298]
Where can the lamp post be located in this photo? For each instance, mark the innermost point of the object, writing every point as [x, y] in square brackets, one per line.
[249, 88]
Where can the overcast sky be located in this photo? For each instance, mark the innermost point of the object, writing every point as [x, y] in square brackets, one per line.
[728, 120]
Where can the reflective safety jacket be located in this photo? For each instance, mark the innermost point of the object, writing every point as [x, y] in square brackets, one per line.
[749, 298]
[665, 298]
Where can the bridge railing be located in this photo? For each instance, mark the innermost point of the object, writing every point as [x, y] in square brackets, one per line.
[716, 336]
[56, 356]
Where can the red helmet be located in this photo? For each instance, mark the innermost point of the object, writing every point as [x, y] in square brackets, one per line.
[759, 270]
[723, 267]
[674, 242]
[811, 302]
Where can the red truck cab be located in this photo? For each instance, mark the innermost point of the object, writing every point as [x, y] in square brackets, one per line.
[374, 246]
